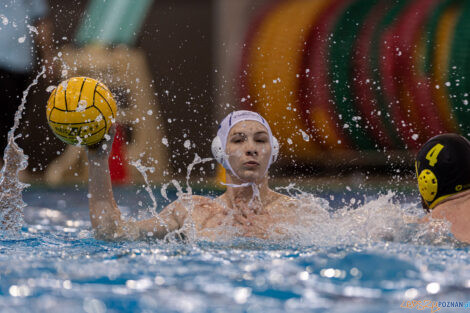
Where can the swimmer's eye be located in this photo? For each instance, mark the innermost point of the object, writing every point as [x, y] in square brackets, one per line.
[261, 138]
[238, 139]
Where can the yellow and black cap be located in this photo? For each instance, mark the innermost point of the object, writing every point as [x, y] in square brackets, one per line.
[443, 168]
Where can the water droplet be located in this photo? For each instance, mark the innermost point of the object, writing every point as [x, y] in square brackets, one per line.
[305, 136]
[50, 88]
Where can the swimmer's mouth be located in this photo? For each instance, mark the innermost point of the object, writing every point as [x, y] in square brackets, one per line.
[251, 164]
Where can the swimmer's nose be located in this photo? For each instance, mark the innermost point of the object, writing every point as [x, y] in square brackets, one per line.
[251, 148]
[252, 152]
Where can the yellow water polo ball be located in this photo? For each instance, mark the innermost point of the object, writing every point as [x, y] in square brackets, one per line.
[80, 111]
[427, 183]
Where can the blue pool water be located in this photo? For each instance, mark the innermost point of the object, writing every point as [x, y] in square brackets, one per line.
[356, 263]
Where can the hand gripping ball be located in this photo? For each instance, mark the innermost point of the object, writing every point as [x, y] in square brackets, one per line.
[80, 111]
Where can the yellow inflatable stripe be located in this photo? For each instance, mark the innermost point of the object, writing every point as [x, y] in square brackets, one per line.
[103, 94]
[88, 93]
[68, 118]
[67, 94]
[276, 57]
[59, 99]
[73, 93]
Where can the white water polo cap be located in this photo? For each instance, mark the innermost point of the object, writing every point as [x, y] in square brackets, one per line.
[220, 141]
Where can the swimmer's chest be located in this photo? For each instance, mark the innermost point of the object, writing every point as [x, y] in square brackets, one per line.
[217, 221]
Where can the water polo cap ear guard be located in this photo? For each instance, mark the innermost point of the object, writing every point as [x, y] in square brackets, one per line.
[220, 141]
[219, 152]
[443, 168]
[274, 149]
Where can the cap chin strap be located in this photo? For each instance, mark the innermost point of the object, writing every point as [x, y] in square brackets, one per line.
[219, 154]
[254, 187]
[237, 185]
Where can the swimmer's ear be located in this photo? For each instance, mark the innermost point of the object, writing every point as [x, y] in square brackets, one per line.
[217, 150]
[275, 149]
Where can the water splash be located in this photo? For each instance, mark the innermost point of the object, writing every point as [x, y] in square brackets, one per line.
[11, 201]
[197, 160]
[364, 219]
[188, 230]
[380, 218]
[153, 209]
[143, 171]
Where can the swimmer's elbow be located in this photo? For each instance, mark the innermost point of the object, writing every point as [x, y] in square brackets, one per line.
[117, 231]
[104, 214]
[107, 225]
[155, 228]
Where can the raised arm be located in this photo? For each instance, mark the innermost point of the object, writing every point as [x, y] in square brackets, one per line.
[104, 213]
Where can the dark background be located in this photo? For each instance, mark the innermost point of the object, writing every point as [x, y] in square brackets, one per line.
[177, 39]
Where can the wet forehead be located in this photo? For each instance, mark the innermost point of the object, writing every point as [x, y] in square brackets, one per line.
[248, 127]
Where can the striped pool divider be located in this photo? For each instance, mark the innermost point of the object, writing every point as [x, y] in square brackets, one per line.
[431, 29]
[246, 87]
[460, 69]
[364, 84]
[438, 59]
[341, 56]
[395, 7]
[276, 61]
[388, 49]
[315, 88]
[403, 114]
[270, 70]
[414, 85]
[368, 72]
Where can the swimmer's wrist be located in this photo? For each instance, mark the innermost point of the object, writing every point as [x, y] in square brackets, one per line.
[99, 150]
[103, 148]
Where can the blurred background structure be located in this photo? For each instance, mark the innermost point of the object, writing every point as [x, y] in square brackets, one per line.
[347, 85]
[105, 48]
[358, 75]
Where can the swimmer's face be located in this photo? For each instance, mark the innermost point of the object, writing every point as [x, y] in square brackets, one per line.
[249, 150]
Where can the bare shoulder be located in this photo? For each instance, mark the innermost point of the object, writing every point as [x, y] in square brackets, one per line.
[281, 202]
[195, 202]
[284, 199]
[180, 208]
[202, 200]
[190, 202]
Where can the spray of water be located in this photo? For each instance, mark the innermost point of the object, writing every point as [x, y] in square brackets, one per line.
[152, 210]
[185, 198]
[197, 160]
[379, 218]
[11, 201]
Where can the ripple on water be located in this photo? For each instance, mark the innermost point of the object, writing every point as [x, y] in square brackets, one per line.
[350, 258]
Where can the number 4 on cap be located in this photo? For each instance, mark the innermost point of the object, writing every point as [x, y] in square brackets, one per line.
[433, 153]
